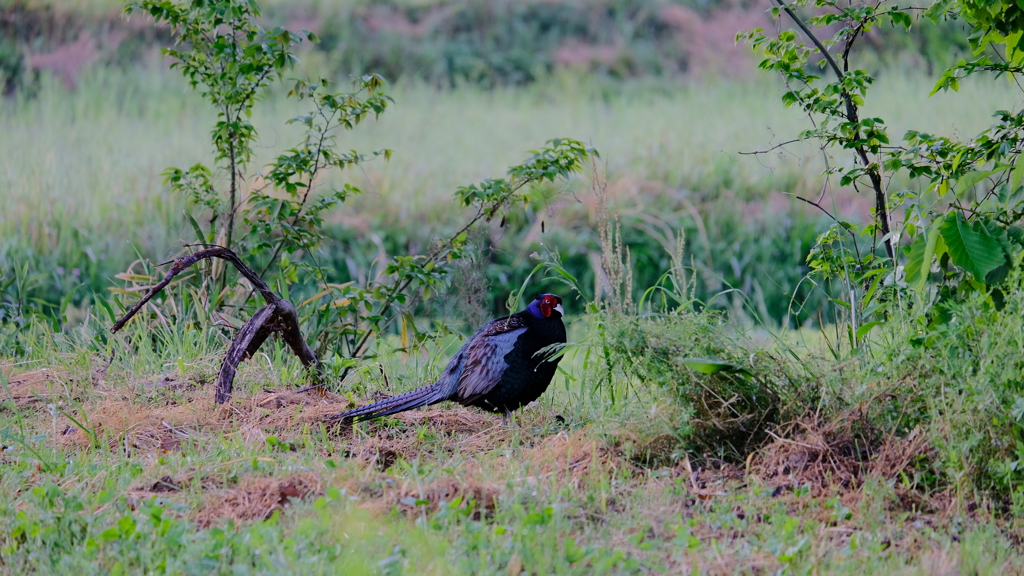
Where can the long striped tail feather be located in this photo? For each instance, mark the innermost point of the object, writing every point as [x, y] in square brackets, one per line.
[415, 399]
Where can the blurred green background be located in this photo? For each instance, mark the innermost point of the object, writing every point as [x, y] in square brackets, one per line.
[91, 117]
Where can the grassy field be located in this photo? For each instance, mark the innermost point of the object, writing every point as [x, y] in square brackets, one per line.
[84, 195]
[116, 461]
[120, 465]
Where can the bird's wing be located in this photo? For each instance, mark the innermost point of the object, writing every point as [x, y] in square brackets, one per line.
[483, 357]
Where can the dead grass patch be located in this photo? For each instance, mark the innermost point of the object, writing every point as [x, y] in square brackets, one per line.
[256, 498]
[132, 423]
[575, 457]
[413, 499]
[835, 454]
[36, 386]
[382, 443]
[135, 422]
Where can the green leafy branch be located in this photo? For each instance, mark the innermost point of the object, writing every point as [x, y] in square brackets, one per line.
[965, 218]
[834, 107]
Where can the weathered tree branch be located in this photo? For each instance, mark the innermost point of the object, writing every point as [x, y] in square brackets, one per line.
[279, 315]
[239, 350]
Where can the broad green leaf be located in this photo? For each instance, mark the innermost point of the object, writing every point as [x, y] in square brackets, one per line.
[997, 275]
[1017, 175]
[921, 254]
[915, 261]
[707, 366]
[971, 246]
[971, 178]
[1016, 234]
[863, 330]
[573, 552]
[1001, 235]
[956, 160]
[711, 366]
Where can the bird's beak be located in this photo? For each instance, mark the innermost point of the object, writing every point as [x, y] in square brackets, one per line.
[558, 309]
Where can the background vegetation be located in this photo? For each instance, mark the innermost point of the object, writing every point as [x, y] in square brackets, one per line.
[717, 410]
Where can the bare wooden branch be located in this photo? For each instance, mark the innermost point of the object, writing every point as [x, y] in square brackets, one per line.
[286, 321]
[279, 315]
[766, 151]
[239, 351]
[181, 264]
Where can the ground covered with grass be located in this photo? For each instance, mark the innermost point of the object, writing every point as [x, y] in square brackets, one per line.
[122, 464]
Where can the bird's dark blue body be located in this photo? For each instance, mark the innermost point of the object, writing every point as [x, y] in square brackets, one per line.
[507, 364]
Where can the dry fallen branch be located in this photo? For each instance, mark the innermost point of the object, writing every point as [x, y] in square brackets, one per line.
[278, 316]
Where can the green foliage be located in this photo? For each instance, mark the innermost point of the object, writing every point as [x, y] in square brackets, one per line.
[725, 403]
[489, 44]
[484, 43]
[232, 60]
[347, 315]
[972, 247]
[498, 43]
[971, 198]
[295, 222]
[959, 284]
[668, 346]
[959, 379]
[13, 70]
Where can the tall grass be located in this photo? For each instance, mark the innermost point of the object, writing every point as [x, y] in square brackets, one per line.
[80, 172]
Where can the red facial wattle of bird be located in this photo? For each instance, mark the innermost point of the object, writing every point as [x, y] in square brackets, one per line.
[550, 303]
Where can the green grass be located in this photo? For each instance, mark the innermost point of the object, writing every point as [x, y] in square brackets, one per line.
[583, 485]
[161, 482]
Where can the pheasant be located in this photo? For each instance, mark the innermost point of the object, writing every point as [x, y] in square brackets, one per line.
[505, 365]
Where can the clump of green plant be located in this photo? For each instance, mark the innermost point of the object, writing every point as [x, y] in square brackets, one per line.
[13, 72]
[724, 404]
[962, 215]
[225, 53]
[940, 257]
[667, 345]
[962, 383]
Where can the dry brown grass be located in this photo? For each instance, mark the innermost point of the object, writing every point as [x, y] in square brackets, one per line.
[573, 458]
[470, 430]
[413, 499]
[835, 454]
[37, 386]
[568, 459]
[133, 423]
[256, 498]
[136, 425]
[834, 458]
